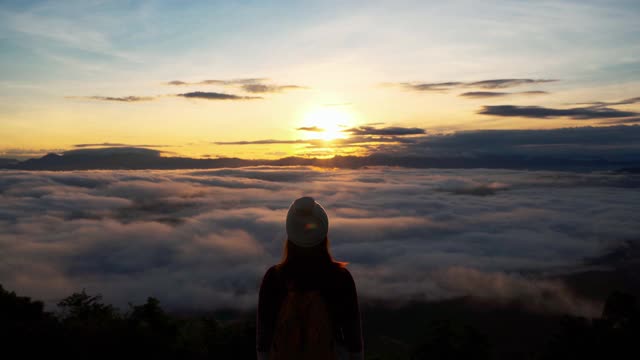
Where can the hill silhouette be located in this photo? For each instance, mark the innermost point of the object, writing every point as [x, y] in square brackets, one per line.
[142, 158]
[7, 162]
[85, 327]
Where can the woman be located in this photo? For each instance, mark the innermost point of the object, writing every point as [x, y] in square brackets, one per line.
[308, 306]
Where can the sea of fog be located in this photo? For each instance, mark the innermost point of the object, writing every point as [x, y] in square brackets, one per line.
[203, 239]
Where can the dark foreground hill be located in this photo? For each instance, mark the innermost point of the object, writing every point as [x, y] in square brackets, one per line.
[84, 327]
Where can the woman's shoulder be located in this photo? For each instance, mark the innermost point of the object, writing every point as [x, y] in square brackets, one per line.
[273, 274]
[341, 268]
[273, 268]
[343, 274]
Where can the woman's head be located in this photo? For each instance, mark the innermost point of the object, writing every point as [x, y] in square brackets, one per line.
[307, 229]
[307, 222]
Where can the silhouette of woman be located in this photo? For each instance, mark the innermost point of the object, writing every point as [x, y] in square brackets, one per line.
[308, 306]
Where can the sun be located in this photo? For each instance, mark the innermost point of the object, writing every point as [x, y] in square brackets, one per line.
[327, 123]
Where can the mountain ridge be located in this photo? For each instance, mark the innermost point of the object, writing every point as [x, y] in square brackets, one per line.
[148, 159]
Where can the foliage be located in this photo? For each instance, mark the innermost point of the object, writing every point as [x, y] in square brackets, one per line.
[85, 327]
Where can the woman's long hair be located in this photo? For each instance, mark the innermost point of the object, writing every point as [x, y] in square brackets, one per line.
[295, 256]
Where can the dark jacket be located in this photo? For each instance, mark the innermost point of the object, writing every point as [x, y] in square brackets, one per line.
[335, 284]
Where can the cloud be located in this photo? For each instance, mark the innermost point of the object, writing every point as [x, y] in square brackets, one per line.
[109, 144]
[483, 84]
[321, 143]
[549, 148]
[443, 86]
[538, 295]
[203, 239]
[631, 120]
[362, 137]
[216, 96]
[116, 99]
[386, 131]
[471, 187]
[118, 150]
[251, 85]
[261, 142]
[506, 83]
[310, 128]
[484, 94]
[628, 101]
[538, 112]
[532, 92]
[263, 88]
[492, 94]
[240, 81]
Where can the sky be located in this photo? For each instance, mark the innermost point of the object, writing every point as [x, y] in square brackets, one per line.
[257, 79]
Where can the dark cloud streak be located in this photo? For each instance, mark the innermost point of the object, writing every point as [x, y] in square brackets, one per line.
[444, 86]
[250, 85]
[483, 84]
[261, 142]
[264, 88]
[493, 94]
[125, 99]
[310, 128]
[109, 144]
[538, 112]
[484, 94]
[631, 120]
[240, 81]
[386, 131]
[216, 96]
[506, 83]
[629, 101]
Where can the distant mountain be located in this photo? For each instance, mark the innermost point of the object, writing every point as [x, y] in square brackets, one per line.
[122, 158]
[5, 162]
[635, 170]
[142, 158]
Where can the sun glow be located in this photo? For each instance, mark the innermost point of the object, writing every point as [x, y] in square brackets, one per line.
[327, 123]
